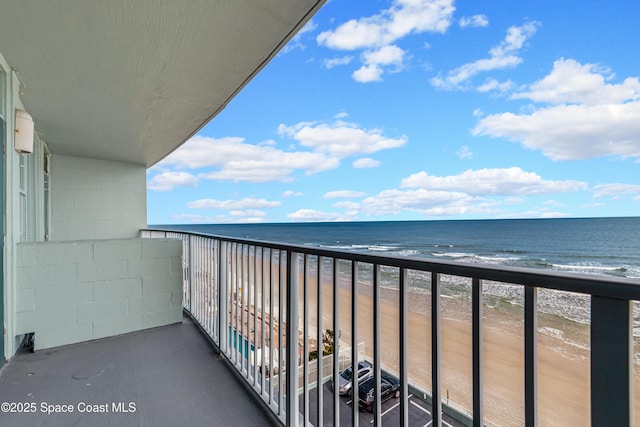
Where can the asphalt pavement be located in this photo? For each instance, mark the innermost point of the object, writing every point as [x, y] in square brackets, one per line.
[419, 411]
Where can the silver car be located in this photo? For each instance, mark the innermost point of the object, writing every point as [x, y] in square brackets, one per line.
[345, 383]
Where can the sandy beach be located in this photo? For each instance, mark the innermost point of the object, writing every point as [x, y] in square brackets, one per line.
[563, 369]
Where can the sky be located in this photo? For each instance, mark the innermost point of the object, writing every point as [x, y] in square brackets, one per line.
[381, 110]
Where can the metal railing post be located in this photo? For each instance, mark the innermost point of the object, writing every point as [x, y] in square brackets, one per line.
[403, 342]
[336, 343]
[530, 356]
[377, 420]
[355, 413]
[611, 362]
[223, 300]
[436, 340]
[191, 273]
[293, 282]
[478, 413]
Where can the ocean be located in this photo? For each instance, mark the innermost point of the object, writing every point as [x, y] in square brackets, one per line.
[600, 246]
[604, 246]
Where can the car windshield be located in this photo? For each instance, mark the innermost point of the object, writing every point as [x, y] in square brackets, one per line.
[346, 374]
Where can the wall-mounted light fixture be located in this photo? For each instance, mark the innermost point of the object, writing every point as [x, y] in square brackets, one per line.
[23, 137]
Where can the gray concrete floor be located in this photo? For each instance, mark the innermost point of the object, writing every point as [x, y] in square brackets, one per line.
[168, 376]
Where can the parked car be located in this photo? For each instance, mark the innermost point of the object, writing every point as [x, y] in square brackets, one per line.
[365, 371]
[389, 387]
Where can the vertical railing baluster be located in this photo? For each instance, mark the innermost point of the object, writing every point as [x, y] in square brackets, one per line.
[376, 350]
[223, 298]
[281, 283]
[436, 335]
[404, 369]
[247, 308]
[271, 320]
[191, 274]
[292, 281]
[530, 356]
[611, 361]
[236, 275]
[354, 343]
[261, 371]
[305, 337]
[320, 359]
[336, 344]
[255, 316]
[478, 415]
[218, 288]
[243, 316]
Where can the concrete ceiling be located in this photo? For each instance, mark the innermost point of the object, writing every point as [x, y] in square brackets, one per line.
[131, 80]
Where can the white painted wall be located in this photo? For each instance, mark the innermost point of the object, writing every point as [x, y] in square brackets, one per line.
[74, 291]
[96, 199]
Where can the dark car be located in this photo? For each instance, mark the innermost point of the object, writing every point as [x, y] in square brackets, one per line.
[389, 387]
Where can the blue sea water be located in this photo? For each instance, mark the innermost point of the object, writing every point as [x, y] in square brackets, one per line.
[604, 246]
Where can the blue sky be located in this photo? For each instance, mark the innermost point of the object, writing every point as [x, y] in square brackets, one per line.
[425, 110]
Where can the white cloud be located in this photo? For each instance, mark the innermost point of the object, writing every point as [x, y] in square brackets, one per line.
[378, 33]
[386, 55]
[247, 203]
[485, 182]
[365, 162]
[291, 193]
[494, 85]
[218, 219]
[232, 159]
[403, 18]
[167, 181]
[372, 69]
[343, 194]
[340, 139]
[616, 190]
[500, 57]
[368, 73]
[536, 213]
[585, 116]
[571, 132]
[465, 152]
[334, 62]
[310, 215]
[473, 21]
[239, 161]
[427, 202]
[573, 83]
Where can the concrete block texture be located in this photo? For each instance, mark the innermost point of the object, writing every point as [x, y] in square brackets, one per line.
[73, 291]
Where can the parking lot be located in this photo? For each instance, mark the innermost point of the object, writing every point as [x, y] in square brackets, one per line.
[419, 411]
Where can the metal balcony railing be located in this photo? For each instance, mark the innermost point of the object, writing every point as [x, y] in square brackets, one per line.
[253, 300]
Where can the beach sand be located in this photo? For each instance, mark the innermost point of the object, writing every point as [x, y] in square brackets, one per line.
[563, 369]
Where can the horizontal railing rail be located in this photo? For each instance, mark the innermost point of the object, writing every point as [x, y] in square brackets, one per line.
[253, 299]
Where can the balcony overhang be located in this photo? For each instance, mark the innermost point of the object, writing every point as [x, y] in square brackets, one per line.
[132, 80]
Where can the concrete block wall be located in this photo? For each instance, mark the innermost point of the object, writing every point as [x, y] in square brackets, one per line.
[69, 292]
[96, 199]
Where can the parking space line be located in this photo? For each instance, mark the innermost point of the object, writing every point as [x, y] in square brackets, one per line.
[387, 411]
[420, 407]
[428, 424]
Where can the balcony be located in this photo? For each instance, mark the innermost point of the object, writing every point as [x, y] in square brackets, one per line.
[251, 297]
[231, 360]
[163, 376]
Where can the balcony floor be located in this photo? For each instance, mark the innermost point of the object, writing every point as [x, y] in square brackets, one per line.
[171, 375]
